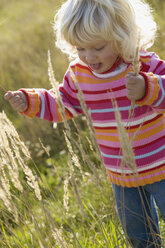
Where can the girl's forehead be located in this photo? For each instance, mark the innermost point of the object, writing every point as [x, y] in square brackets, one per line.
[92, 44]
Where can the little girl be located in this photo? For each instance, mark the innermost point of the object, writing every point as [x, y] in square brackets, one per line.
[103, 35]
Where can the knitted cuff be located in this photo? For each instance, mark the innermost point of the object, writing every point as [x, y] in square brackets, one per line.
[33, 102]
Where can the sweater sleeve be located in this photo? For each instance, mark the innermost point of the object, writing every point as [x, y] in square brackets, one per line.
[43, 103]
[155, 83]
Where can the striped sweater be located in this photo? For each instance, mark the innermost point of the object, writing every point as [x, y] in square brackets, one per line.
[98, 89]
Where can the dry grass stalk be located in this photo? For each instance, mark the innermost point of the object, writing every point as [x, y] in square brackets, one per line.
[74, 184]
[88, 161]
[40, 244]
[11, 152]
[88, 119]
[32, 182]
[74, 157]
[46, 149]
[67, 132]
[136, 68]
[55, 89]
[6, 197]
[84, 154]
[90, 144]
[126, 147]
[66, 195]
[58, 236]
[14, 137]
[8, 159]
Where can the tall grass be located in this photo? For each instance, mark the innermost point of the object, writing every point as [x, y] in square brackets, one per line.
[75, 206]
[68, 218]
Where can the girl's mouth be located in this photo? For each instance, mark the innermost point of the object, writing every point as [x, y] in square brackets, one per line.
[95, 67]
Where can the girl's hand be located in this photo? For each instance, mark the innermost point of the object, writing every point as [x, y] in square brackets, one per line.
[17, 100]
[136, 87]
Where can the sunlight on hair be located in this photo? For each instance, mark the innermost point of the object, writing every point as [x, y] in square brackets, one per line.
[118, 21]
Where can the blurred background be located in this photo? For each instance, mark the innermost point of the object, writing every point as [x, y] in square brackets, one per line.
[26, 35]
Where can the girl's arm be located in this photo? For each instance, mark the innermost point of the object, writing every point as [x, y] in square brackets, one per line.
[43, 104]
[153, 88]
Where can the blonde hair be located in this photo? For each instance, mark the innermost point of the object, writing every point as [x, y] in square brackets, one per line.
[119, 21]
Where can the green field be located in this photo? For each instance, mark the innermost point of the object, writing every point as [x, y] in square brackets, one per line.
[77, 207]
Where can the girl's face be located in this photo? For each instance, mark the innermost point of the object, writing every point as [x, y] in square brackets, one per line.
[99, 56]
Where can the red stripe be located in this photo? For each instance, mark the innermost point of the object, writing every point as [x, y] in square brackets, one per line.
[103, 91]
[137, 148]
[159, 139]
[157, 167]
[90, 102]
[67, 95]
[115, 65]
[27, 98]
[162, 72]
[71, 115]
[158, 65]
[141, 172]
[107, 100]
[67, 81]
[108, 147]
[80, 66]
[144, 67]
[48, 103]
[145, 56]
[92, 91]
[136, 126]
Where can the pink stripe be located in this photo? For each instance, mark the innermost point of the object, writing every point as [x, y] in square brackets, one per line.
[104, 96]
[148, 164]
[132, 134]
[148, 139]
[135, 143]
[109, 143]
[141, 117]
[53, 107]
[99, 84]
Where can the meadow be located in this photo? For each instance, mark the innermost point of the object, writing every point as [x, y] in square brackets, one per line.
[54, 192]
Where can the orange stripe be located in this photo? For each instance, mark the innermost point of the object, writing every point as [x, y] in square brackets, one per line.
[139, 136]
[29, 108]
[108, 138]
[60, 119]
[36, 103]
[151, 132]
[154, 82]
[145, 60]
[154, 91]
[131, 130]
[97, 81]
[139, 180]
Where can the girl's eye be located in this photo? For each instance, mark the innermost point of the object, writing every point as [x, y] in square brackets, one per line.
[99, 48]
[80, 49]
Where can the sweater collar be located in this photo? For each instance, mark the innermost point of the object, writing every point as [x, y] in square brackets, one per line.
[118, 67]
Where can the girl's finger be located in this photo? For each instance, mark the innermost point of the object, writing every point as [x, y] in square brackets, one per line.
[15, 99]
[21, 108]
[8, 95]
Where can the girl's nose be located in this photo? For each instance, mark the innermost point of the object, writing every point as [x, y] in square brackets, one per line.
[90, 57]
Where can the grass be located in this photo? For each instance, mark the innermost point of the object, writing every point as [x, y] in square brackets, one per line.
[77, 208]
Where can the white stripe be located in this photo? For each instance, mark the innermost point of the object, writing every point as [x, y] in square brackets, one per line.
[118, 70]
[125, 123]
[121, 68]
[144, 53]
[71, 110]
[148, 167]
